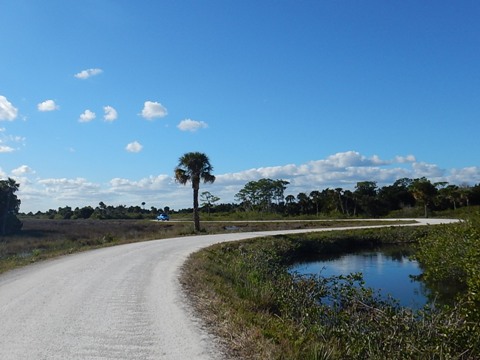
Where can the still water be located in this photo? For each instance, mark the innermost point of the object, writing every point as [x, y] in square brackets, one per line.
[389, 273]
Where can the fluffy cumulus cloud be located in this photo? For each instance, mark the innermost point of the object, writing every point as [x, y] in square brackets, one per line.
[338, 170]
[85, 74]
[47, 105]
[110, 114]
[405, 159]
[152, 110]
[146, 184]
[61, 191]
[22, 171]
[7, 110]
[464, 176]
[134, 147]
[191, 125]
[342, 169]
[351, 158]
[6, 149]
[87, 116]
[430, 171]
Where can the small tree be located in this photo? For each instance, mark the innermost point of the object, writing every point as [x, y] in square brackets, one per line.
[208, 200]
[9, 207]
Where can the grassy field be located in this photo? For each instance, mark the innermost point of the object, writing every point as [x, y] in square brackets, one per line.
[45, 238]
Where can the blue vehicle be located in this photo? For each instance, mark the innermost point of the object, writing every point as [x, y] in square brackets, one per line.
[163, 217]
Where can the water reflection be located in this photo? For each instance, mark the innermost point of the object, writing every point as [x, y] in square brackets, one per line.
[389, 270]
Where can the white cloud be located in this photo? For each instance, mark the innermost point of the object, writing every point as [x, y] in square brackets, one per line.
[191, 125]
[464, 176]
[351, 158]
[429, 171]
[142, 185]
[22, 170]
[6, 149]
[405, 159]
[339, 170]
[110, 113]
[47, 105]
[87, 116]
[7, 110]
[134, 147]
[153, 109]
[85, 74]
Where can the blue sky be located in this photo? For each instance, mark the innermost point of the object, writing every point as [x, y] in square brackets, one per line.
[99, 98]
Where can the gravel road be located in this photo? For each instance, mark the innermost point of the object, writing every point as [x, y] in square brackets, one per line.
[122, 302]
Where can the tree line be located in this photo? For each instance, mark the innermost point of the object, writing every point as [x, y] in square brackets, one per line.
[367, 199]
[102, 212]
[268, 196]
[265, 195]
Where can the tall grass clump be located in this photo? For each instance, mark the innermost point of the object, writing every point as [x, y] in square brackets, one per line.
[450, 255]
[246, 293]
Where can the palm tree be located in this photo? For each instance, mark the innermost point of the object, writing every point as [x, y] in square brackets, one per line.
[194, 167]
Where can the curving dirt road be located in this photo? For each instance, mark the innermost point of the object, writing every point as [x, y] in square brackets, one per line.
[122, 302]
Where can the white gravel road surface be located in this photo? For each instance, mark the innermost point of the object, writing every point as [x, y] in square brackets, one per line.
[122, 302]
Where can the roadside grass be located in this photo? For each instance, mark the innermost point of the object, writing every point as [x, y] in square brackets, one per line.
[247, 297]
[46, 238]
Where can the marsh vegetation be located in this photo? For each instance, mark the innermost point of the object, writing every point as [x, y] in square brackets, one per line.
[246, 294]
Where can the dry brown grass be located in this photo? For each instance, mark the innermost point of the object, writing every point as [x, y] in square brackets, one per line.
[46, 238]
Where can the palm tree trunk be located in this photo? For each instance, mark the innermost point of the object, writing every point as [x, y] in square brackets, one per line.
[196, 215]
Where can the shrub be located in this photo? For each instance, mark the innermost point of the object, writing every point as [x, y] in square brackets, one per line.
[311, 317]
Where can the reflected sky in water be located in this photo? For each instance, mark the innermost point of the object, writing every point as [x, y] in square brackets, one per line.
[391, 275]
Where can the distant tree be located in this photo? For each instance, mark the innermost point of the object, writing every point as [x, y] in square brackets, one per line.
[290, 199]
[303, 202]
[339, 196]
[365, 195]
[452, 194]
[316, 197]
[424, 192]
[64, 213]
[194, 167]
[465, 192]
[348, 199]
[397, 196]
[329, 200]
[9, 207]
[208, 200]
[83, 213]
[261, 194]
